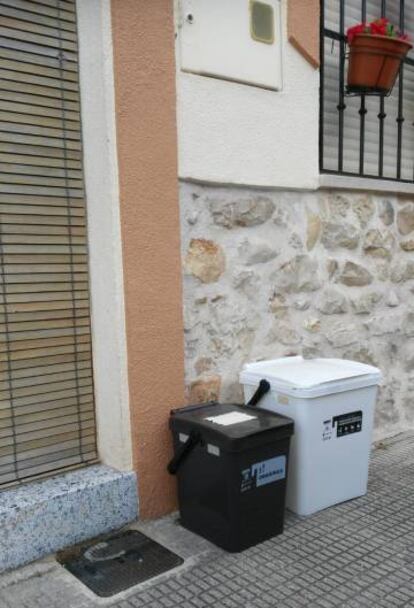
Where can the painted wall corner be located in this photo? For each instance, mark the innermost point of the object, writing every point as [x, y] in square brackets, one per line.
[303, 29]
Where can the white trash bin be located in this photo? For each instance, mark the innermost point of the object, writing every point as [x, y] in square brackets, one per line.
[332, 403]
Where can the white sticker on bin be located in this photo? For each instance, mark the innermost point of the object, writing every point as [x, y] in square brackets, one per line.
[213, 449]
[230, 418]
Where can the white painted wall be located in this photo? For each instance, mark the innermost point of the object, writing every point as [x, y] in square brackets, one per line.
[104, 233]
[240, 134]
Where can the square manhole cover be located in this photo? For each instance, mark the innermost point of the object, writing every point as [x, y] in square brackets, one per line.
[115, 563]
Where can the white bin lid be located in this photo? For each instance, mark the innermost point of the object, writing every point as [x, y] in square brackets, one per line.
[311, 377]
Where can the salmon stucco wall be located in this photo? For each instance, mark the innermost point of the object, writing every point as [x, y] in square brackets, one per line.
[144, 67]
[303, 28]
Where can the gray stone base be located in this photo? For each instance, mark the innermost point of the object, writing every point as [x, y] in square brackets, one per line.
[45, 516]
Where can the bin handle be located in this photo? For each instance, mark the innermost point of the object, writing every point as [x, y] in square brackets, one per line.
[183, 452]
[261, 391]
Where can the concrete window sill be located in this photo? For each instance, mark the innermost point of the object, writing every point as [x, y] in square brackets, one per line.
[345, 182]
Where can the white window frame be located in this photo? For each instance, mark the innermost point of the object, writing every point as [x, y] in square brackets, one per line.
[104, 233]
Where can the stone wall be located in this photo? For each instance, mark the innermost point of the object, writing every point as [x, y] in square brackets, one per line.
[269, 274]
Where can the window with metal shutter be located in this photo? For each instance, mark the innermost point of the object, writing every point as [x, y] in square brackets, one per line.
[364, 135]
[47, 420]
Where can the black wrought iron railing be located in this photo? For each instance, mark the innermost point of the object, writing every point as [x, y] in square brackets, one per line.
[363, 135]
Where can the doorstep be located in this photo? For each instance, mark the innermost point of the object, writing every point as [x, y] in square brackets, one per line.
[42, 517]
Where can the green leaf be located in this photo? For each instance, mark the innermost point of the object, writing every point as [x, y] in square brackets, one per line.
[391, 31]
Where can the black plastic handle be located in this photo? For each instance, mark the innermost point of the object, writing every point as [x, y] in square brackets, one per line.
[261, 391]
[193, 439]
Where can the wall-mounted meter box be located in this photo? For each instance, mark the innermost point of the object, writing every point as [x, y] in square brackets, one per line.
[238, 40]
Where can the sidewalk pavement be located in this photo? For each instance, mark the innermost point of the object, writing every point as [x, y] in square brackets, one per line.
[358, 554]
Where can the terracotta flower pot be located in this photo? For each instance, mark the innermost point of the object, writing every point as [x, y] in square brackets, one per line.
[374, 62]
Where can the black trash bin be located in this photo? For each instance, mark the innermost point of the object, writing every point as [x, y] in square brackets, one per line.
[231, 463]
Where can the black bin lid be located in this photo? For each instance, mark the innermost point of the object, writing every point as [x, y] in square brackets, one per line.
[232, 426]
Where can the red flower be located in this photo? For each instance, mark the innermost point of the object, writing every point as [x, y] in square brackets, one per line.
[379, 27]
[361, 28]
[380, 22]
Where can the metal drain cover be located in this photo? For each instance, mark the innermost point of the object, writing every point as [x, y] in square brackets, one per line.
[115, 563]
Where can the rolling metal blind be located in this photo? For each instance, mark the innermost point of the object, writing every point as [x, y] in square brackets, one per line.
[363, 135]
[47, 418]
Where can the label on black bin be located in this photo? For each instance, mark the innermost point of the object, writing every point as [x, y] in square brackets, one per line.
[262, 473]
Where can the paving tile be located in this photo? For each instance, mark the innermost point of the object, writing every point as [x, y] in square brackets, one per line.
[359, 554]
